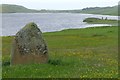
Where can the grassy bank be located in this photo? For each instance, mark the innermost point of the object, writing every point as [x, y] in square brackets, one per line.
[101, 21]
[102, 10]
[73, 53]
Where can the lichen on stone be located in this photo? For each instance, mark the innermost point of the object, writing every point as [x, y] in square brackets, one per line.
[29, 41]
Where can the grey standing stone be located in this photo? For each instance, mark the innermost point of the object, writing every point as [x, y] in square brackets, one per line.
[29, 46]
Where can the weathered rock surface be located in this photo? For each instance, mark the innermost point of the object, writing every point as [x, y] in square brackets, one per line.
[29, 46]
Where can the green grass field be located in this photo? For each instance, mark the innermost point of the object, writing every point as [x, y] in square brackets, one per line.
[73, 53]
[101, 21]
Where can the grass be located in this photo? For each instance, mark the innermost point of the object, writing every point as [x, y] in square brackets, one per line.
[102, 10]
[73, 53]
[101, 21]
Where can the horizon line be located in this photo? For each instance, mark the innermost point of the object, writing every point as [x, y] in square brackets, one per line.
[57, 9]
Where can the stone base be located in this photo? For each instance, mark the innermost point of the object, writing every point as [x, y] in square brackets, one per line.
[28, 59]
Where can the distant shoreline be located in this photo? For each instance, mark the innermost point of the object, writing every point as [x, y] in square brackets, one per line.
[65, 30]
[6, 8]
[59, 13]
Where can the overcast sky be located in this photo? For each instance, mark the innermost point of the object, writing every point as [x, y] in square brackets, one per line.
[61, 4]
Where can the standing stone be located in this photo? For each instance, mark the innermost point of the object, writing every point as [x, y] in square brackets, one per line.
[29, 46]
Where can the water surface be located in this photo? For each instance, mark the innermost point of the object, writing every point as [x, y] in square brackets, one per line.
[47, 22]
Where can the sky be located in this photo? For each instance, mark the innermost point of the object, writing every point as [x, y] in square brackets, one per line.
[61, 4]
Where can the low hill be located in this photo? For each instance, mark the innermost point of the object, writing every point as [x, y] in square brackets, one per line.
[5, 8]
[101, 10]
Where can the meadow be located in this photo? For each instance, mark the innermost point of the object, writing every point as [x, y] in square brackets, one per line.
[73, 53]
[93, 20]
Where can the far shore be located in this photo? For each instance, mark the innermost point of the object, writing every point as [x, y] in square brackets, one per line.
[61, 30]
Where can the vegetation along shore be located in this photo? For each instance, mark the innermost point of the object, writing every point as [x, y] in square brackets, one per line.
[93, 20]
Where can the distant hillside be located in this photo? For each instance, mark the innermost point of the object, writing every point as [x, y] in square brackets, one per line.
[101, 10]
[6, 8]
